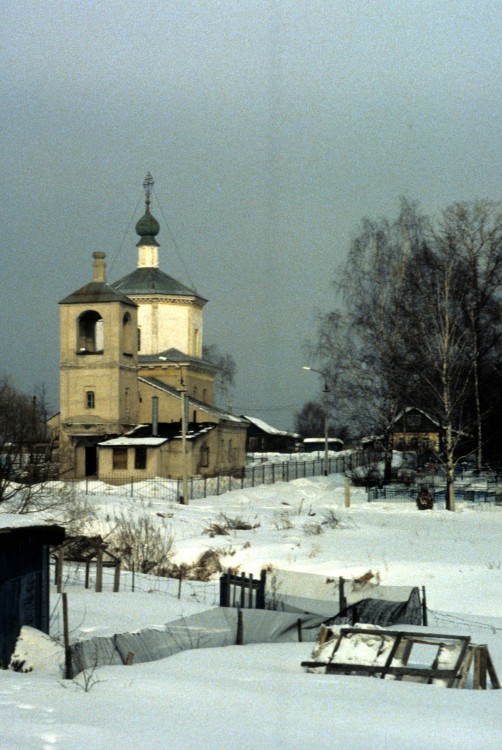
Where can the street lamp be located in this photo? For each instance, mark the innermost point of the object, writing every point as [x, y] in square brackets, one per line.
[325, 407]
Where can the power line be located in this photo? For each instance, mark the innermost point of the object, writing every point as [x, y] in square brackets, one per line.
[120, 247]
[173, 240]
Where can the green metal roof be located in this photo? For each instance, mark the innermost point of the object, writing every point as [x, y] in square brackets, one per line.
[175, 356]
[148, 281]
[94, 292]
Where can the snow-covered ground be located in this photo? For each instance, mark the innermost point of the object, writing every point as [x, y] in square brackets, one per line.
[259, 696]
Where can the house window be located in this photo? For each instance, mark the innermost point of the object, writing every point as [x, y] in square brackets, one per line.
[204, 456]
[89, 400]
[119, 458]
[413, 420]
[140, 457]
[90, 333]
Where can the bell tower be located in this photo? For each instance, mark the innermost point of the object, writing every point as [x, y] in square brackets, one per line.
[98, 370]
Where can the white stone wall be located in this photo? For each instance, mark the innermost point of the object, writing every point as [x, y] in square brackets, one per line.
[167, 323]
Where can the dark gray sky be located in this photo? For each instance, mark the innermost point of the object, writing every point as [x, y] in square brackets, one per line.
[271, 128]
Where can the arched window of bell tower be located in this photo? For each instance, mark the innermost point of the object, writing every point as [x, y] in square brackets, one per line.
[127, 334]
[90, 335]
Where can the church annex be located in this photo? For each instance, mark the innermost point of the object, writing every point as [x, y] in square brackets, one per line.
[136, 396]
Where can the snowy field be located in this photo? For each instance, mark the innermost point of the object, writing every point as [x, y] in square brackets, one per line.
[259, 696]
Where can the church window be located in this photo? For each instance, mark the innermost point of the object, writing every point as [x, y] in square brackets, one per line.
[90, 333]
[127, 334]
[119, 458]
[90, 400]
[140, 457]
[139, 339]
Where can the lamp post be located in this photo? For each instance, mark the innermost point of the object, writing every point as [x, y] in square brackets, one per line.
[325, 408]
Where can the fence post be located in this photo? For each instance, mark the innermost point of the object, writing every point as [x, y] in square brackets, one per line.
[99, 572]
[299, 629]
[116, 578]
[67, 649]
[243, 591]
[240, 628]
[59, 570]
[260, 591]
[205, 486]
[424, 607]
[347, 492]
[342, 597]
[132, 488]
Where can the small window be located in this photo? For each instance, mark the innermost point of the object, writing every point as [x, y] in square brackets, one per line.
[140, 457]
[89, 400]
[413, 420]
[139, 339]
[204, 456]
[120, 458]
[127, 334]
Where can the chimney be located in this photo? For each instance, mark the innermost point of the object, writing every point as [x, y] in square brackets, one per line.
[99, 267]
[155, 416]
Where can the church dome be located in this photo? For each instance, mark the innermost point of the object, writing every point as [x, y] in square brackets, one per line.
[147, 227]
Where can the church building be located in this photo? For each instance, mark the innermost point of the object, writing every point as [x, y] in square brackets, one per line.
[136, 395]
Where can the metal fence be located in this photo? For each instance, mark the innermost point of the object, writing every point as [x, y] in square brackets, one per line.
[252, 476]
[409, 493]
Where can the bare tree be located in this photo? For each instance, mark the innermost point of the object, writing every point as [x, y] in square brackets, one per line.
[363, 341]
[309, 421]
[226, 370]
[25, 453]
[471, 234]
[440, 345]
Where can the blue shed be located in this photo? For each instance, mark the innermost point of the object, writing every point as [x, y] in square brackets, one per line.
[24, 577]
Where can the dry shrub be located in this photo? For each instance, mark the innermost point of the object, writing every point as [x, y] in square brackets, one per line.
[141, 543]
[312, 528]
[330, 519]
[224, 524]
[204, 568]
[282, 520]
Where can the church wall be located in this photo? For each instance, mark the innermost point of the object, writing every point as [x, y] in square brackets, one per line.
[169, 407]
[167, 323]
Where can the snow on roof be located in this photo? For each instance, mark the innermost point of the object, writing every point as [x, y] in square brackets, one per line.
[322, 440]
[131, 441]
[268, 428]
[18, 521]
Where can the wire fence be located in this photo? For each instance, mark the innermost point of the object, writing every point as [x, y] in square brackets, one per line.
[476, 494]
[252, 476]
